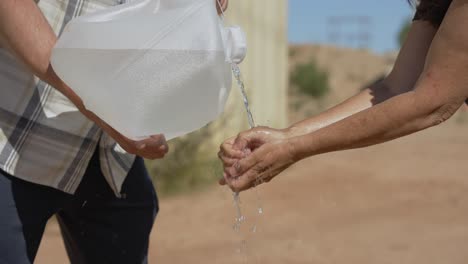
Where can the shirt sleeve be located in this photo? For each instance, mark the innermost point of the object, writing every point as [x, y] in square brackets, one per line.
[432, 11]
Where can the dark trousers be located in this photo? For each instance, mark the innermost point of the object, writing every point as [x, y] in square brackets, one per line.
[96, 226]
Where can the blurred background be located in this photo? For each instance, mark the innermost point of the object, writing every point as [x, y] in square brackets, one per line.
[400, 202]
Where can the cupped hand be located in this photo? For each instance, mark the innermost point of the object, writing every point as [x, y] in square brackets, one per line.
[261, 166]
[240, 147]
[243, 144]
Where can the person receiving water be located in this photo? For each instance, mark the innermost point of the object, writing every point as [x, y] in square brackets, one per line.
[428, 84]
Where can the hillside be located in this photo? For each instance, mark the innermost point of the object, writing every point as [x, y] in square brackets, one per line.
[349, 71]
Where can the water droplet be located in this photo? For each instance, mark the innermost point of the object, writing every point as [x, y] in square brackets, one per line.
[254, 229]
[260, 210]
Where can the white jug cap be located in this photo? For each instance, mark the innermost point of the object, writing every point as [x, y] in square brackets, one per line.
[235, 44]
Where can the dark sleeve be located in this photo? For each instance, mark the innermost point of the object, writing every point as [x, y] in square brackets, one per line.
[432, 11]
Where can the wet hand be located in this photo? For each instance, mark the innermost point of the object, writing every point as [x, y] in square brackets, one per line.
[243, 144]
[262, 165]
[234, 149]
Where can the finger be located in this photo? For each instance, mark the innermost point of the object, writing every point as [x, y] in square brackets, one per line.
[156, 144]
[241, 184]
[248, 139]
[158, 140]
[227, 174]
[153, 152]
[242, 141]
[237, 183]
[243, 165]
[164, 149]
[266, 176]
[252, 179]
[228, 150]
[222, 181]
[155, 149]
[230, 180]
[228, 162]
[151, 142]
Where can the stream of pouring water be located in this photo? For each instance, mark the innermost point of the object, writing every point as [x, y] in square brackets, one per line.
[240, 218]
[240, 83]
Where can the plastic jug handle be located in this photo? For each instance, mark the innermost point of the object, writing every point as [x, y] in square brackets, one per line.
[220, 6]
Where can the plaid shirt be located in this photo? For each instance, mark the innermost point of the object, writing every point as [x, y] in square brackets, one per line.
[43, 137]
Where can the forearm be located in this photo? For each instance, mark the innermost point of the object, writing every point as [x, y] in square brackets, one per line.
[406, 71]
[440, 91]
[399, 116]
[25, 33]
[378, 93]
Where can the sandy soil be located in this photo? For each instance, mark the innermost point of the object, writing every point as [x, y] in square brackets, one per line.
[404, 202]
[401, 202]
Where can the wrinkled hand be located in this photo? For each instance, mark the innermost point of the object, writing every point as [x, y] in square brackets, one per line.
[248, 158]
[243, 144]
[261, 166]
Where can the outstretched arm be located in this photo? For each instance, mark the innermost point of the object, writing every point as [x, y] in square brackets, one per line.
[402, 78]
[439, 92]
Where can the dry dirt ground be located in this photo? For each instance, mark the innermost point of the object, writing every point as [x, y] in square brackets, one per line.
[404, 202]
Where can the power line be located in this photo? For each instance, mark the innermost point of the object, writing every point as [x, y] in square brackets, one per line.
[352, 30]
